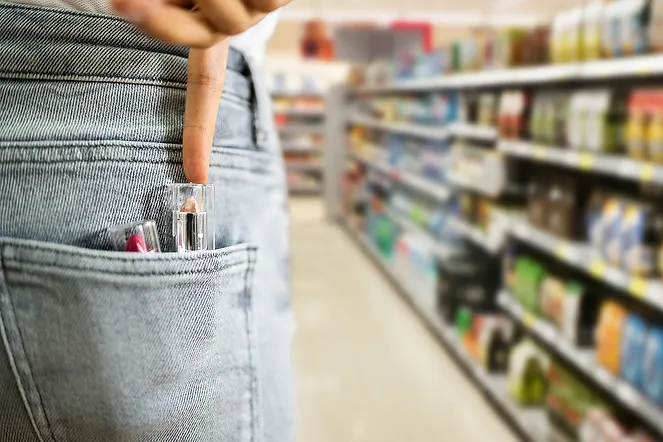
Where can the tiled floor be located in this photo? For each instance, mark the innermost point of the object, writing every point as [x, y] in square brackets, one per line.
[368, 370]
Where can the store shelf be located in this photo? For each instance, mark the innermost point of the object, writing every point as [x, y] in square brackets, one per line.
[573, 159]
[585, 361]
[474, 131]
[476, 185]
[642, 66]
[435, 190]
[585, 259]
[301, 112]
[415, 130]
[442, 251]
[531, 423]
[476, 235]
[303, 167]
[298, 128]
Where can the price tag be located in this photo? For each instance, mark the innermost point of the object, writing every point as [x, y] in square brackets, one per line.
[539, 153]
[586, 161]
[647, 172]
[529, 320]
[638, 287]
[645, 71]
[598, 268]
[563, 251]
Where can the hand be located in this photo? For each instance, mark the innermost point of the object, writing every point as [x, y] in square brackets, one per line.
[199, 23]
[207, 71]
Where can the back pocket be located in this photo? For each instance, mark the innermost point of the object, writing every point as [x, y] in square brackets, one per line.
[119, 347]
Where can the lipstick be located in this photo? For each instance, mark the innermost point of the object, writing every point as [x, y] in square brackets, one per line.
[193, 217]
[140, 237]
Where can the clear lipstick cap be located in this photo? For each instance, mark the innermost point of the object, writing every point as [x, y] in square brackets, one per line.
[193, 216]
[139, 237]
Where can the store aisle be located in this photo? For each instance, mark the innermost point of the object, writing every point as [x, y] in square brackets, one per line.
[368, 369]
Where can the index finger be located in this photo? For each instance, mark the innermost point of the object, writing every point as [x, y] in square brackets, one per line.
[207, 71]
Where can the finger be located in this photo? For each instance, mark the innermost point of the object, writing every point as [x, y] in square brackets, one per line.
[207, 71]
[266, 5]
[228, 17]
[169, 22]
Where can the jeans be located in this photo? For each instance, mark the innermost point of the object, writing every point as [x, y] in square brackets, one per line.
[108, 346]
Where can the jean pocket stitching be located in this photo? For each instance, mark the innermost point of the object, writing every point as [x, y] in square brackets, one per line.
[20, 363]
[250, 334]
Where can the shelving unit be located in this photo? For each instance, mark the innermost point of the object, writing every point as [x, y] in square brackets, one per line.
[531, 424]
[568, 258]
[585, 361]
[301, 128]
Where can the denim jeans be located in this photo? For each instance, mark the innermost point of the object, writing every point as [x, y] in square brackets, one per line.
[106, 346]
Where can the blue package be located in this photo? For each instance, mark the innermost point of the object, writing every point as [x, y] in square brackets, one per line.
[634, 340]
[652, 370]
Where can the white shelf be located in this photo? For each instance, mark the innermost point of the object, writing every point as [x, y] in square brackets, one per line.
[442, 251]
[585, 361]
[475, 234]
[474, 131]
[531, 422]
[415, 130]
[641, 66]
[436, 190]
[473, 184]
[585, 258]
[296, 94]
[583, 160]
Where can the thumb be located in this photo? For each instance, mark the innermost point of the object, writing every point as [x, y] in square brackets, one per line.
[207, 71]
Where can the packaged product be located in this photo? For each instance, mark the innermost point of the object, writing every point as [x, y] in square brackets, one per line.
[509, 48]
[610, 228]
[529, 277]
[641, 237]
[577, 119]
[609, 336]
[536, 46]
[656, 25]
[536, 123]
[654, 132]
[591, 30]
[574, 35]
[606, 116]
[527, 374]
[634, 36]
[552, 294]
[513, 114]
[494, 343]
[487, 109]
[593, 214]
[612, 34]
[652, 370]
[555, 117]
[634, 340]
[537, 204]
[563, 214]
[557, 38]
[636, 125]
[599, 426]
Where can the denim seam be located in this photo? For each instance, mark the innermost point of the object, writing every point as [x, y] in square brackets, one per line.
[4, 332]
[177, 258]
[32, 393]
[248, 287]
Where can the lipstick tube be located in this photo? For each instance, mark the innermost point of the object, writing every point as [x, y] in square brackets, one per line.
[193, 217]
[141, 237]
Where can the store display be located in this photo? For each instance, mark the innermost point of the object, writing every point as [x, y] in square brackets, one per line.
[579, 127]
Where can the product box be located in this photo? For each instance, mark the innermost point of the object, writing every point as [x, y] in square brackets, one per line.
[652, 370]
[656, 25]
[529, 276]
[495, 339]
[609, 333]
[608, 230]
[634, 340]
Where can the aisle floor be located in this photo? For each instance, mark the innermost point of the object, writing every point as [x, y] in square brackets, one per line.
[368, 369]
